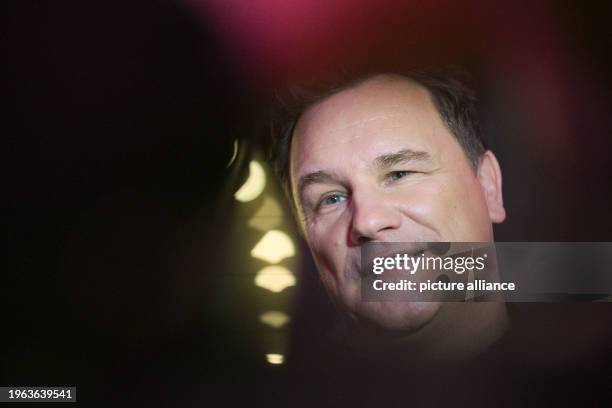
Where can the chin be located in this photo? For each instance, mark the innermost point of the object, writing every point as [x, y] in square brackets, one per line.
[400, 317]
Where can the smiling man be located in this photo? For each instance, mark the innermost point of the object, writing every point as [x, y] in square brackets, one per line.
[393, 158]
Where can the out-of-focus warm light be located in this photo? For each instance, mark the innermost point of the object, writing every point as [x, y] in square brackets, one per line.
[274, 278]
[274, 319]
[268, 216]
[234, 154]
[274, 247]
[254, 185]
[274, 358]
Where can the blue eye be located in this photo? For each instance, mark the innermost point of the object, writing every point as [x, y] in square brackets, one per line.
[332, 199]
[396, 175]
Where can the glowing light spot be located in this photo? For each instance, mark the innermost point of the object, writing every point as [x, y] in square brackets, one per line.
[234, 154]
[274, 247]
[274, 278]
[274, 358]
[268, 216]
[254, 185]
[274, 319]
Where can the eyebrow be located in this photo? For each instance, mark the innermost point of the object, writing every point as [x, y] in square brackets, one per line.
[404, 156]
[317, 177]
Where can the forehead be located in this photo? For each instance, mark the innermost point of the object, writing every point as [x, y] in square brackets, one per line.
[380, 115]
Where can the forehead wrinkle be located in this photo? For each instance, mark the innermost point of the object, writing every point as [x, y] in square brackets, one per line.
[309, 149]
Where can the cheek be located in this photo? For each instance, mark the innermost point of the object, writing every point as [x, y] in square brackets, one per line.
[465, 210]
[427, 203]
[329, 254]
[451, 207]
[327, 241]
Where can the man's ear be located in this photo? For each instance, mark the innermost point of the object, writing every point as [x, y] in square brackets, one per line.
[490, 178]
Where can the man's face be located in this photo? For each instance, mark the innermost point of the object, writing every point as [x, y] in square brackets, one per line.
[376, 163]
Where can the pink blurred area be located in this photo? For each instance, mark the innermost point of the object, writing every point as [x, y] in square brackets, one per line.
[285, 40]
[520, 44]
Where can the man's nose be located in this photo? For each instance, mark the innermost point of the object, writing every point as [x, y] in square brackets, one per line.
[373, 219]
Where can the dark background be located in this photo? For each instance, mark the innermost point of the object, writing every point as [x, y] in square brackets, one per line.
[119, 122]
